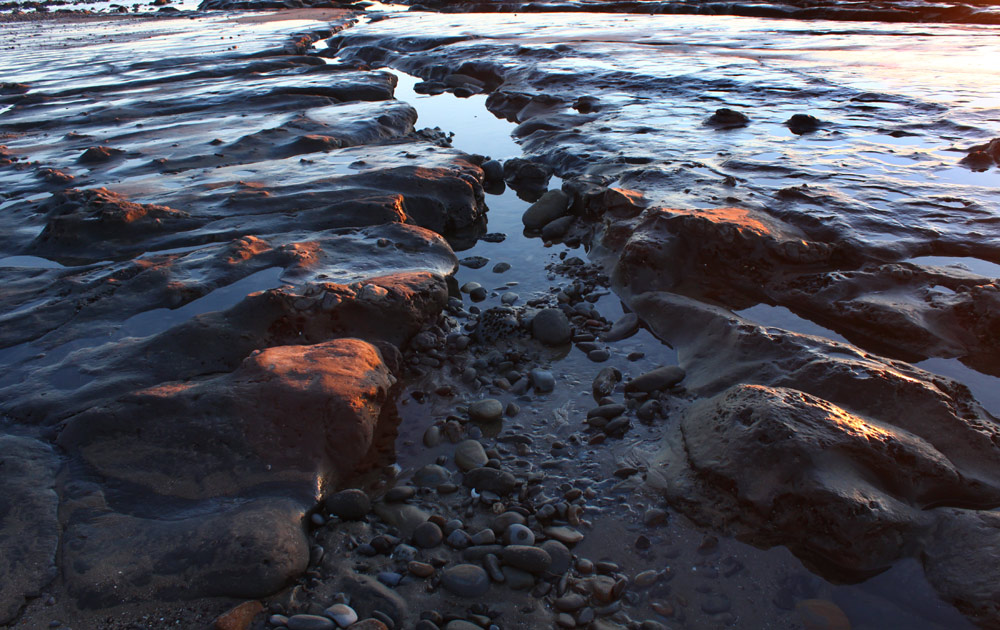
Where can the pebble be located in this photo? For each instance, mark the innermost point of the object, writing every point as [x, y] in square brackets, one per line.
[278, 620]
[565, 621]
[490, 480]
[648, 410]
[527, 558]
[370, 624]
[389, 578]
[484, 537]
[420, 569]
[425, 624]
[518, 534]
[478, 294]
[398, 494]
[543, 380]
[504, 521]
[570, 603]
[431, 475]
[501, 267]
[237, 618]
[518, 579]
[561, 556]
[565, 535]
[551, 327]
[427, 535]
[557, 228]
[465, 580]
[470, 454]
[458, 539]
[492, 565]
[655, 380]
[646, 578]
[509, 298]
[459, 624]
[432, 436]
[604, 383]
[469, 287]
[350, 505]
[474, 262]
[607, 411]
[310, 622]
[550, 206]
[342, 614]
[654, 517]
[600, 355]
[486, 410]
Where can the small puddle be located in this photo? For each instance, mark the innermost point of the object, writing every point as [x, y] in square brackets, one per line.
[30, 262]
[977, 266]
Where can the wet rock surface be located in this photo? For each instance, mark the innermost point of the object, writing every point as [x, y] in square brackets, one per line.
[223, 307]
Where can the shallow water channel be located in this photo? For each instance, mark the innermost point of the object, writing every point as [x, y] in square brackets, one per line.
[760, 586]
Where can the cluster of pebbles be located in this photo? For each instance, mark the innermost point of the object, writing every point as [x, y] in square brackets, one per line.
[482, 533]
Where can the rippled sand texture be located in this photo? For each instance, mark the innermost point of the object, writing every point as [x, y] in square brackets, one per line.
[858, 219]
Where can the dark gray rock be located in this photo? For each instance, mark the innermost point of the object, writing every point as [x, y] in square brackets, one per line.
[487, 410]
[427, 535]
[465, 580]
[350, 505]
[491, 480]
[656, 380]
[527, 558]
[551, 206]
[551, 327]
[624, 327]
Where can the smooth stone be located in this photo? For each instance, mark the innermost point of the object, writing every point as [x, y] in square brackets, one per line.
[623, 328]
[504, 521]
[509, 298]
[492, 565]
[310, 622]
[570, 603]
[655, 380]
[557, 228]
[389, 578]
[519, 534]
[565, 621]
[549, 207]
[398, 494]
[432, 436]
[566, 535]
[605, 382]
[465, 580]
[404, 552]
[474, 262]
[518, 579]
[600, 355]
[551, 327]
[342, 614]
[470, 454]
[543, 380]
[821, 614]
[490, 480]
[484, 537]
[646, 578]
[562, 557]
[402, 516]
[458, 539]
[486, 410]
[478, 294]
[607, 411]
[371, 624]
[420, 569]
[501, 267]
[527, 558]
[427, 535]
[350, 505]
[237, 618]
[479, 552]
[459, 624]
[431, 475]
[469, 287]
